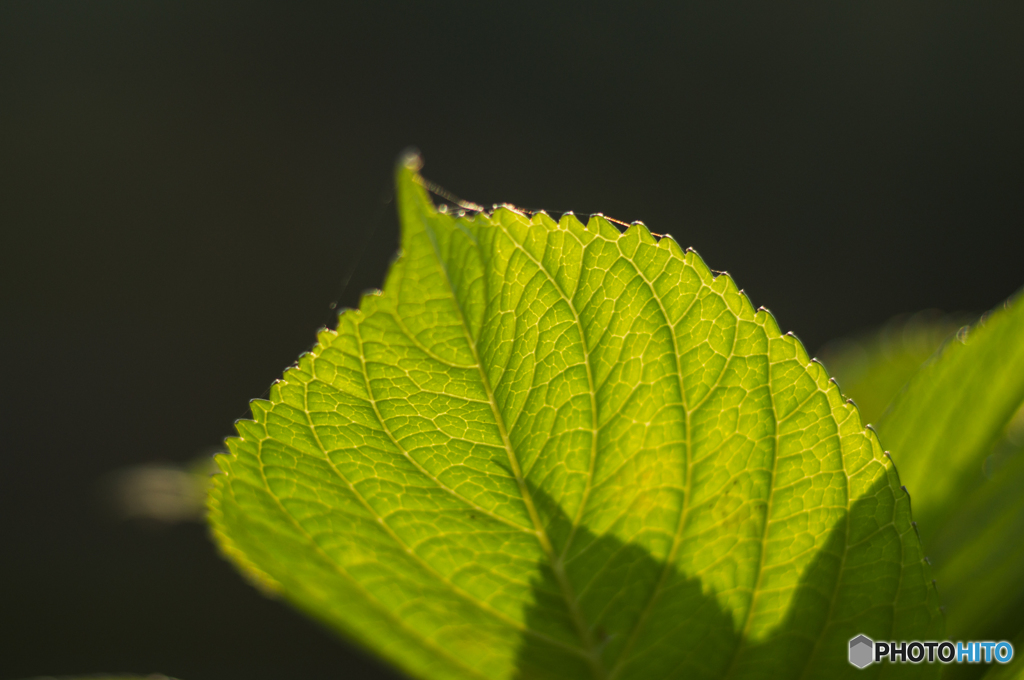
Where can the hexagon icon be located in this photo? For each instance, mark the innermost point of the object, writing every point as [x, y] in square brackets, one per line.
[862, 651]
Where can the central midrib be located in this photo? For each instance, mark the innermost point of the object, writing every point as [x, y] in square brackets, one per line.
[594, 419]
[593, 655]
[684, 511]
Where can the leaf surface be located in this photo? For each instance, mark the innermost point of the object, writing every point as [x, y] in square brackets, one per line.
[554, 450]
[959, 450]
[977, 552]
[975, 549]
[941, 428]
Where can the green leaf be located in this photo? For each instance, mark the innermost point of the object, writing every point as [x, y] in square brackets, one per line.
[976, 550]
[948, 433]
[941, 428]
[554, 450]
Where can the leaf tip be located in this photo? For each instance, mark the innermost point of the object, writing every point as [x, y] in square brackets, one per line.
[410, 159]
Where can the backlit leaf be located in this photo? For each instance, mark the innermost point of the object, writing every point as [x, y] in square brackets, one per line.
[548, 449]
[953, 435]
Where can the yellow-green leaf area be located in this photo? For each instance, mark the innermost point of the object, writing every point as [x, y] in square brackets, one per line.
[550, 449]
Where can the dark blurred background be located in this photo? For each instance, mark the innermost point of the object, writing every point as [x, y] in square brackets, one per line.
[185, 187]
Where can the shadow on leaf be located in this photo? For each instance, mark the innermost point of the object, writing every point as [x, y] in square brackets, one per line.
[687, 633]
